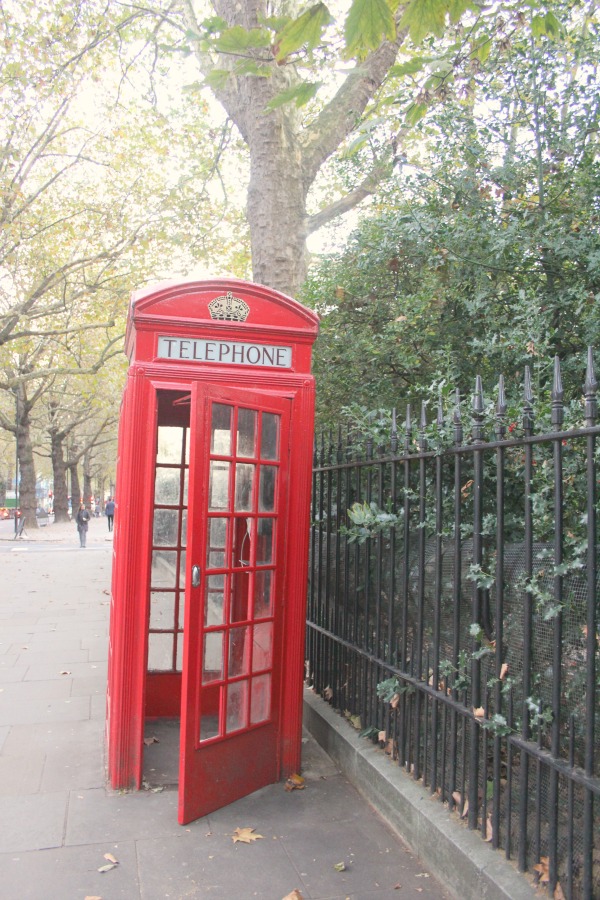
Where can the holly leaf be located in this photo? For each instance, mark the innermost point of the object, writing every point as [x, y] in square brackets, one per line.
[245, 835]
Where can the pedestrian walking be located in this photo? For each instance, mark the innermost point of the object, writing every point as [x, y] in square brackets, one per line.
[109, 510]
[82, 519]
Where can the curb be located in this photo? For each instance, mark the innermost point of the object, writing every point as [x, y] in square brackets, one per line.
[467, 866]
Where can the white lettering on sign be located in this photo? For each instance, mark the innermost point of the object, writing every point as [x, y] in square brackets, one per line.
[232, 352]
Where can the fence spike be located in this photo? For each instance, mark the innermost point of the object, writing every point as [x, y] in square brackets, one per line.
[501, 406]
[557, 396]
[394, 433]
[440, 413]
[478, 410]
[589, 388]
[408, 429]
[423, 426]
[527, 402]
[457, 419]
[349, 447]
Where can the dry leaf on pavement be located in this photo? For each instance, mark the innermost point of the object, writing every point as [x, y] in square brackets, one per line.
[295, 783]
[295, 895]
[245, 835]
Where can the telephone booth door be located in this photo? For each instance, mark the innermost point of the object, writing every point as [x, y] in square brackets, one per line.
[231, 691]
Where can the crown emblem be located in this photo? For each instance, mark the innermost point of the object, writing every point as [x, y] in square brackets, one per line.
[229, 308]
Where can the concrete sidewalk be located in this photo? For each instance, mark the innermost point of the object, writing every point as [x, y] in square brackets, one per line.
[58, 821]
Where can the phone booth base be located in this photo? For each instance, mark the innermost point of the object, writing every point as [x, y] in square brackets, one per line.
[211, 537]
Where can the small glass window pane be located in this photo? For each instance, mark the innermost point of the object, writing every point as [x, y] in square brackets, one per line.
[166, 528]
[214, 604]
[239, 651]
[263, 603]
[219, 485]
[186, 434]
[162, 610]
[269, 442]
[237, 694]
[160, 652]
[185, 486]
[182, 569]
[217, 539]
[238, 610]
[209, 713]
[212, 659]
[262, 650]
[179, 661]
[260, 702]
[164, 569]
[244, 479]
[264, 542]
[170, 444]
[180, 611]
[167, 484]
[266, 492]
[220, 434]
[184, 528]
[246, 433]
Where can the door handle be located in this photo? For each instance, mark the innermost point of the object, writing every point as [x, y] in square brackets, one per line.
[196, 576]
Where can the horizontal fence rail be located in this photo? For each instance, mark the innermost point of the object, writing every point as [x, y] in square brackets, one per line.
[453, 615]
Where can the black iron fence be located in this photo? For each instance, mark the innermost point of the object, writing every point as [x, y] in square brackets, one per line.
[453, 614]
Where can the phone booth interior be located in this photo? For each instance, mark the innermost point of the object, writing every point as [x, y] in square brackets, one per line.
[211, 538]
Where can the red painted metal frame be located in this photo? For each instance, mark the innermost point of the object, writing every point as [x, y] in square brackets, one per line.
[181, 310]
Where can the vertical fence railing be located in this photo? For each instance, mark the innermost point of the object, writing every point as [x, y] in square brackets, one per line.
[453, 611]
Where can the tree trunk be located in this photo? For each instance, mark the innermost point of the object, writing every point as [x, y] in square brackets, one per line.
[87, 479]
[59, 471]
[285, 153]
[75, 488]
[27, 480]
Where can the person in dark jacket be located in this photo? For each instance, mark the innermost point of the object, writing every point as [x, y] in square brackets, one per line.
[82, 518]
[109, 510]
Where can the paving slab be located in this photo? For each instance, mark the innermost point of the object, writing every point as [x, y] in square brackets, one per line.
[69, 873]
[58, 819]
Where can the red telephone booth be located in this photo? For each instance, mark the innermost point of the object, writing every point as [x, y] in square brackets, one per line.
[211, 537]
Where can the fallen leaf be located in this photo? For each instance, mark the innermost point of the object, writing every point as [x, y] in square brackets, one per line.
[245, 835]
[503, 671]
[328, 693]
[295, 895]
[382, 736]
[64, 672]
[89, 897]
[479, 713]
[295, 783]
[107, 867]
[395, 701]
[543, 869]
[558, 893]
[422, 875]
[340, 867]
[111, 858]
[151, 740]
[398, 887]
